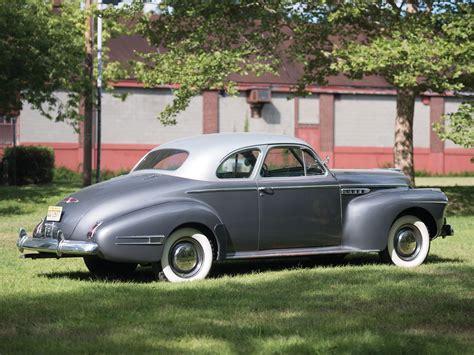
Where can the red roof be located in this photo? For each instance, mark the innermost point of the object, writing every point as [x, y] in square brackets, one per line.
[122, 49]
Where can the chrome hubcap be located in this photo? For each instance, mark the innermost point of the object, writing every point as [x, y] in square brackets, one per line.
[185, 257]
[406, 242]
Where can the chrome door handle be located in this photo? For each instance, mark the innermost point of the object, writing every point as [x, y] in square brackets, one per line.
[266, 191]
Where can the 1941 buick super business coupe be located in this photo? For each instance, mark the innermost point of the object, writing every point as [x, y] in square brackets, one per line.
[194, 201]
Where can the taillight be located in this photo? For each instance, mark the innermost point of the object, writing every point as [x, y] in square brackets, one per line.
[91, 232]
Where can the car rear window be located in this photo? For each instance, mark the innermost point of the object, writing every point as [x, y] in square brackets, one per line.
[163, 159]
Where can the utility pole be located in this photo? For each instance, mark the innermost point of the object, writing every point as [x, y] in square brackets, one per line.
[88, 95]
[14, 149]
[99, 91]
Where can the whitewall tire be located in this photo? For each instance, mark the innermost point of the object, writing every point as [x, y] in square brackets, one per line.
[408, 242]
[187, 256]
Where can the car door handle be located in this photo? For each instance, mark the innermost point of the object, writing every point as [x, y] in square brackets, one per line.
[266, 191]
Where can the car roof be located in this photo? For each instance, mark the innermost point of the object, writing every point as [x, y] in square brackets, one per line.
[224, 143]
[207, 151]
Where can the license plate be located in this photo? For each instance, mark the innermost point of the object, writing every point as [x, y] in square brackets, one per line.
[54, 213]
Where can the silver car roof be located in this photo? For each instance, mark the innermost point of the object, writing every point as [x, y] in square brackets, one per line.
[208, 150]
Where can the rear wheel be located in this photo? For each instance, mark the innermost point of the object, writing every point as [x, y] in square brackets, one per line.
[408, 242]
[187, 256]
[105, 268]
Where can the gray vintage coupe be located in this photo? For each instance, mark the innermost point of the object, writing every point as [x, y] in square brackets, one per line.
[195, 201]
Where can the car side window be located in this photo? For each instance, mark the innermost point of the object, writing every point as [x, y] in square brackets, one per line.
[239, 165]
[313, 166]
[283, 162]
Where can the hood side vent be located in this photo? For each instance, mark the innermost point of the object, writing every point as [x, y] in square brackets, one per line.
[355, 191]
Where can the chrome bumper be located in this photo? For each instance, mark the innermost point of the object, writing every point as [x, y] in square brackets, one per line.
[58, 247]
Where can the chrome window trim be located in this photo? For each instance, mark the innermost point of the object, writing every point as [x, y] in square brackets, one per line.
[300, 146]
[161, 170]
[257, 163]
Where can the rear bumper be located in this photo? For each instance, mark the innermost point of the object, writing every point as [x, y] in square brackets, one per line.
[58, 247]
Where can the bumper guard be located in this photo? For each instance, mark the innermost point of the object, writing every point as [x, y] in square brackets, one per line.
[53, 246]
[447, 230]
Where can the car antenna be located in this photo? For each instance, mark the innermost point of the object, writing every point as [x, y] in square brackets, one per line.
[326, 162]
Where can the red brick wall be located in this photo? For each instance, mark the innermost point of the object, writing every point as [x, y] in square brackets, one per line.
[210, 114]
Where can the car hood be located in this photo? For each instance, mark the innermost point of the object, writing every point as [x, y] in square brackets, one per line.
[371, 177]
[116, 197]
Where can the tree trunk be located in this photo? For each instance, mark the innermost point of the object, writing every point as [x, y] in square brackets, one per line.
[403, 147]
[88, 99]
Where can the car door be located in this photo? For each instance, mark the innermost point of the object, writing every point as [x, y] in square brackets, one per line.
[234, 197]
[299, 200]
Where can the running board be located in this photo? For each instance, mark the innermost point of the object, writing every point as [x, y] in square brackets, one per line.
[276, 253]
[34, 256]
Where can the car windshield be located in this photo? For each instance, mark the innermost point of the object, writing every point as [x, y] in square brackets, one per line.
[163, 159]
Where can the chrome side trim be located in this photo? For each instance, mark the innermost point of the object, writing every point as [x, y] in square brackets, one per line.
[140, 240]
[302, 187]
[378, 185]
[273, 253]
[222, 189]
[440, 202]
[255, 189]
[69, 247]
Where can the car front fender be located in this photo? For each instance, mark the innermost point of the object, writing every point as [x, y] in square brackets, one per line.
[368, 218]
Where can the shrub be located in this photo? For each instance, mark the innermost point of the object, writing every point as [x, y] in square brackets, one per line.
[32, 165]
[63, 174]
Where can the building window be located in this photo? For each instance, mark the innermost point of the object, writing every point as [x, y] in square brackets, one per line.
[6, 130]
[308, 110]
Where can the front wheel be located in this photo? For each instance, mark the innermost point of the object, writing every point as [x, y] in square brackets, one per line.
[408, 242]
[187, 256]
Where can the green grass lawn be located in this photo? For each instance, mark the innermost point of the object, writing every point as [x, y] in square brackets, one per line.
[445, 181]
[293, 306]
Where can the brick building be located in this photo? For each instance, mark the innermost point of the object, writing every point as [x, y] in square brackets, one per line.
[350, 121]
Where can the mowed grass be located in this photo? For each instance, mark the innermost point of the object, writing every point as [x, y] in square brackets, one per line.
[445, 181]
[295, 306]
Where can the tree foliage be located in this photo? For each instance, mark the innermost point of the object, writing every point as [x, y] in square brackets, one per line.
[459, 126]
[202, 43]
[416, 46]
[43, 52]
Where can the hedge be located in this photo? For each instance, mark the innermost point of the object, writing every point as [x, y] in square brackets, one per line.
[33, 165]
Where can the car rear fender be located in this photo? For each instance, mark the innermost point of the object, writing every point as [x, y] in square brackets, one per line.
[139, 236]
[368, 218]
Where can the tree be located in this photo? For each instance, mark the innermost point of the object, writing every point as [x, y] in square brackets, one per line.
[201, 43]
[460, 127]
[43, 52]
[417, 46]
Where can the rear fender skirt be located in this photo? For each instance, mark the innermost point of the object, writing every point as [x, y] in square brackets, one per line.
[368, 218]
[139, 236]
